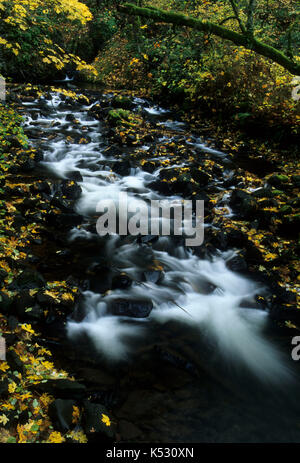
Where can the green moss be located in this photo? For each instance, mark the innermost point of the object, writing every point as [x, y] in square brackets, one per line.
[118, 116]
[122, 116]
[286, 209]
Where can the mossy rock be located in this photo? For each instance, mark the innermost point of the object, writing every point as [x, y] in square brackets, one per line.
[278, 180]
[286, 209]
[296, 180]
[120, 116]
[277, 192]
[121, 101]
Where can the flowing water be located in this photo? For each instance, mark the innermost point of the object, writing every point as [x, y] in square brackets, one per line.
[235, 382]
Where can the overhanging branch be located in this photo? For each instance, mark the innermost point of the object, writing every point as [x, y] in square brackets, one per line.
[220, 31]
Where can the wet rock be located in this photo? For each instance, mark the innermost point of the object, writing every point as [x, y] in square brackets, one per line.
[279, 181]
[99, 279]
[41, 187]
[153, 276]
[263, 193]
[62, 204]
[149, 166]
[136, 309]
[70, 117]
[12, 322]
[28, 166]
[63, 388]
[237, 264]
[26, 308]
[128, 430]
[118, 116]
[114, 150]
[70, 189]
[286, 209]
[121, 101]
[281, 313]
[60, 412]
[161, 187]
[4, 387]
[122, 168]
[92, 420]
[296, 180]
[200, 176]
[244, 203]
[28, 279]
[174, 359]
[146, 239]
[121, 281]
[14, 361]
[74, 175]
[64, 220]
[10, 339]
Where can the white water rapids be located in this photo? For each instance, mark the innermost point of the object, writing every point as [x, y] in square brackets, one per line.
[204, 294]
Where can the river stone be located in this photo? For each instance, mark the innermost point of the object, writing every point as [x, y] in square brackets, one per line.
[121, 282]
[70, 189]
[28, 279]
[237, 264]
[14, 361]
[128, 430]
[136, 309]
[4, 387]
[120, 101]
[278, 180]
[60, 412]
[63, 388]
[92, 420]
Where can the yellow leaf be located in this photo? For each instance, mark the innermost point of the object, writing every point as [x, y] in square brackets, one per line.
[3, 419]
[105, 419]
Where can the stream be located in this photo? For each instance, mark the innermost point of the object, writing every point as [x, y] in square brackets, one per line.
[171, 341]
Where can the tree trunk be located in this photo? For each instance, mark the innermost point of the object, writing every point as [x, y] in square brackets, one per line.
[206, 26]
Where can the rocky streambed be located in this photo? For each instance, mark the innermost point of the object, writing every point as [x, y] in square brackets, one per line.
[169, 343]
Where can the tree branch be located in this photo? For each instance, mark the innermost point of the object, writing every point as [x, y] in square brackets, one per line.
[202, 25]
[251, 9]
[236, 13]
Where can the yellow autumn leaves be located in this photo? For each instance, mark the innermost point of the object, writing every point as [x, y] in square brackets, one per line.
[38, 17]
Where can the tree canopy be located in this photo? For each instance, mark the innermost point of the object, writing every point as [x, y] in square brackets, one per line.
[34, 34]
[246, 36]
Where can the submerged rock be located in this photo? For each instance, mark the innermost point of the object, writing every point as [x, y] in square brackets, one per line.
[136, 309]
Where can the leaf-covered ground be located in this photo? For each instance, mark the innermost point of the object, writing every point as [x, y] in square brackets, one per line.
[24, 407]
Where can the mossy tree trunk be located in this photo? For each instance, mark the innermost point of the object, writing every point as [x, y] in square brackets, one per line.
[244, 40]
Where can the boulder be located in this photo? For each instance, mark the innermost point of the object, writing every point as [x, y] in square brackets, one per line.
[60, 412]
[63, 388]
[92, 420]
[136, 309]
